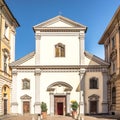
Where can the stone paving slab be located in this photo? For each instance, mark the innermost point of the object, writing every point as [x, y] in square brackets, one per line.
[56, 117]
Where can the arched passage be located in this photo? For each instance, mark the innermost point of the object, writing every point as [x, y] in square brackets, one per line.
[6, 99]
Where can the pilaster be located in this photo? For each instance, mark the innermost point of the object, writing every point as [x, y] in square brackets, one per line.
[68, 102]
[14, 104]
[81, 47]
[104, 101]
[37, 91]
[51, 103]
[37, 55]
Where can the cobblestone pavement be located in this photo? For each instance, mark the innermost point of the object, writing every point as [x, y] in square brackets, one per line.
[33, 117]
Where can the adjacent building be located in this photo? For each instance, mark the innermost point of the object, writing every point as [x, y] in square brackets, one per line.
[111, 41]
[59, 71]
[8, 25]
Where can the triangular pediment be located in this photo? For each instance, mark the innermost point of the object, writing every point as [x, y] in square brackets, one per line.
[59, 21]
[25, 97]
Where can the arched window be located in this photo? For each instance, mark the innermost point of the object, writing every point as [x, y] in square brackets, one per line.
[26, 84]
[113, 95]
[93, 83]
[59, 50]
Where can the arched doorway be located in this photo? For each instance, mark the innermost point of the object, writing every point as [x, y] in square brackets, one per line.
[6, 99]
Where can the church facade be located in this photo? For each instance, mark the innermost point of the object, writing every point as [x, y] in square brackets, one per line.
[59, 71]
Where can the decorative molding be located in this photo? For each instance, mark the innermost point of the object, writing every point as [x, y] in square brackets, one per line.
[14, 72]
[14, 103]
[93, 97]
[37, 36]
[37, 103]
[25, 97]
[37, 72]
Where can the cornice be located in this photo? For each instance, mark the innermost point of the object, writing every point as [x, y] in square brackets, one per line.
[61, 66]
[82, 68]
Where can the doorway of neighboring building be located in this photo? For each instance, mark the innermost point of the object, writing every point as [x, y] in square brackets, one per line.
[93, 107]
[5, 106]
[26, 107]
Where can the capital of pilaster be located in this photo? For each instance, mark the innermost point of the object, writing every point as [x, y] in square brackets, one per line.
[14, 103]
[37, 103]
[37, 36]
[37, 72]
[81, 36]
[14, 72]
[81, 72]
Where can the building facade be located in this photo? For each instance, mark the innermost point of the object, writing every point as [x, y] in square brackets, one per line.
[111, 41]
[59, 71]
[8, 25]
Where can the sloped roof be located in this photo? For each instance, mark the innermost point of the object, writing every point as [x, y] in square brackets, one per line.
[59, 18]
[22, 60]
[6, 8]
[95, 58]
[111, 25]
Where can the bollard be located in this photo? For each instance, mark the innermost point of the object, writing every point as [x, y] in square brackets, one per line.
[39, 117]
[33, 118]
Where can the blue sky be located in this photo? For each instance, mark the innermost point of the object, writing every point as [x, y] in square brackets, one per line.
[95, 14]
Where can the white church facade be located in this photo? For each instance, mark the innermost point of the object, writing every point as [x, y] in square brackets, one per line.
[59, 71]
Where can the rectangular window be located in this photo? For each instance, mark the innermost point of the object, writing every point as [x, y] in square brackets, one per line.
[59, 50]
[113, 42]
[5, 63]
[26, 84]
[93, 83]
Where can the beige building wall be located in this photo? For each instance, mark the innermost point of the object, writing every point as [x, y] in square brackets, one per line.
[8, 26]
[111, 41]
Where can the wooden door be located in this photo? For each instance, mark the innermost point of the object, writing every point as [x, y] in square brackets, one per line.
[26, 107]
[60, 108]
[5, 106]
[93, 107]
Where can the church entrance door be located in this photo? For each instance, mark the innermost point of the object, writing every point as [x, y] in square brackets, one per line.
[26, 107]
[60, 103]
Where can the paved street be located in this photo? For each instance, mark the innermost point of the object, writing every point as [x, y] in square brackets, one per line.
[33, 117]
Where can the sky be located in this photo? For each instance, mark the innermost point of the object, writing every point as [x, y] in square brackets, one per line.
[95, 14]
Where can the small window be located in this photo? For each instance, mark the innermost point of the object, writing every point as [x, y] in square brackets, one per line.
[60, 50]
[6, 31]
[26, 84]
[94, 83]
[5, 63]
[113, 95]
[113, 42]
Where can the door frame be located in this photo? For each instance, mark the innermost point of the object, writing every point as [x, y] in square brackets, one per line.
[96, 106]
[5, 113]
[58, 99]
[23, 107]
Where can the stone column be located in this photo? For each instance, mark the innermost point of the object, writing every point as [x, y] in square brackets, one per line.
[68, 102]
[37, 91]
[14, 104]
[51, 103]
[37, 51]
